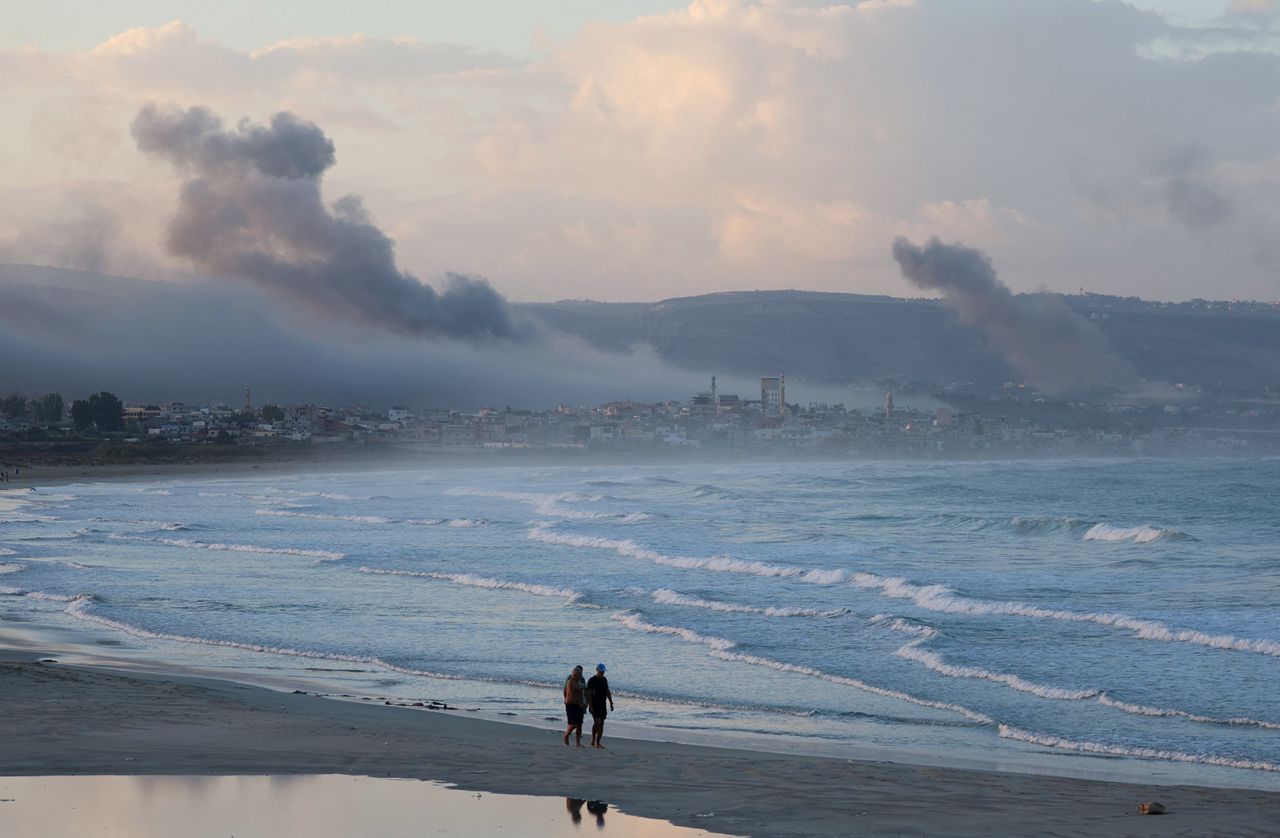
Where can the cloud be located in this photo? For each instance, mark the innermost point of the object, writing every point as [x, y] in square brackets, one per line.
[749, 144]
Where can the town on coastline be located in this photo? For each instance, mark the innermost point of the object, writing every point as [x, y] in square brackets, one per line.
[1016, 423]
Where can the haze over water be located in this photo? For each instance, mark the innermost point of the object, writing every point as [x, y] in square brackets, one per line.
[1111, 613]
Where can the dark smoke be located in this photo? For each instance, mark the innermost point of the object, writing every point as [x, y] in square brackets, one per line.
[252, 208]
[1056, 349]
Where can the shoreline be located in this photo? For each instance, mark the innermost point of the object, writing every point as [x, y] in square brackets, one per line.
[140, 723]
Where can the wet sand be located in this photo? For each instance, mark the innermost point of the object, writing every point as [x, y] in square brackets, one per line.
[60, 719]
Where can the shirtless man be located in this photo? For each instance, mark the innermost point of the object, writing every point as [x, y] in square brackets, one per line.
[575, 703]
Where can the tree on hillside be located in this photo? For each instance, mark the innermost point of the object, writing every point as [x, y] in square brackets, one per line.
[81, 414]
[107, 411]
[271, 413]
[47, 410]
[13, 406]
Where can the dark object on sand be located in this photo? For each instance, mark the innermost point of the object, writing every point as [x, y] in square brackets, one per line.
[1151, 808]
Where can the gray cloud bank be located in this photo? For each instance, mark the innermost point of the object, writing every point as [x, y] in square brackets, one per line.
[251, 207]
[1058, 350]
[153, 341]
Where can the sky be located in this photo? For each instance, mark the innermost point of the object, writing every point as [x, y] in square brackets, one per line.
[630, 150]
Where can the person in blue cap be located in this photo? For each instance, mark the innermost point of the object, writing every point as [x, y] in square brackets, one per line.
[597, 694]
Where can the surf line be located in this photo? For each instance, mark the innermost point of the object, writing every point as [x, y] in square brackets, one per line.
[720, 647]
[932, 597]
[920, 635]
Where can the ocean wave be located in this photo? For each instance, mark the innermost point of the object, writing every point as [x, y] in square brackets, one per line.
[79, 609]
[293, 493]
[720, 647]
[5, 590]
[933, 661]
[161, 492]
[726, 564]
[665, 596]
[11, 567]
[467, 522]
[1143, 710]
[171, 526]
[1144, 534]
[323, 555]
[474, 581]
[546, 503]
[942, 599]
[318, 516]
[8, 551]
[1045, 740]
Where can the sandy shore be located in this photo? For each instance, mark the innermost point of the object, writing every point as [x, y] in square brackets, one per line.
[60, 719]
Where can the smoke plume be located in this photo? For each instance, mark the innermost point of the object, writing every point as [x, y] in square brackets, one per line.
[1056, 349]
[251, 207]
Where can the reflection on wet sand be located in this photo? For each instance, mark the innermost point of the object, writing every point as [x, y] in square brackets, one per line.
[313, 805]
[595, 807]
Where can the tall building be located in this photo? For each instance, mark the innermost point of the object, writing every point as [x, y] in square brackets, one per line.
[888, 405]
[773, 395]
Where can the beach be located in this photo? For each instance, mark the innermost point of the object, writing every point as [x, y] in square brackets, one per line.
[374, 608]
[63, 719]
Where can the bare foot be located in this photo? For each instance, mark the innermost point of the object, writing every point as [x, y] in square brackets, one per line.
[566, 739]
[579, 744]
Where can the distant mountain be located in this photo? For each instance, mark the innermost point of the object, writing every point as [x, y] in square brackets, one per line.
[846, 338]
[82, 331]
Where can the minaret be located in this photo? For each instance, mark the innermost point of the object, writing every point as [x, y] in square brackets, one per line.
[888, 406]
[248, 403]
[715, 397]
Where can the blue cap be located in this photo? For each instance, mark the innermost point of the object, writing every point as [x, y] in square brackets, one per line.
[599, 667]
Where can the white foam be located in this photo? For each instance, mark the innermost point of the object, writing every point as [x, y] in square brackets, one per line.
[942, 599]
[912, 651]
[549, 504]
[171, 526]
[293, 493]
[1144, 534]
[721, 648]
[467, 522]
[154, 492]
[1009, 732]
[8, 551]
[5, 590]
[1144, 710]
[482, 582]
[323, 555]
[670, 597]
[11, 567]
[627, 548]
[318, 516]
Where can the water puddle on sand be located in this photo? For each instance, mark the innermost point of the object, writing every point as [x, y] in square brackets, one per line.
[284, 805]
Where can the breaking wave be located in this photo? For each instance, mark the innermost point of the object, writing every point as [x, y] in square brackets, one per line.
[727, 564]
[467, 522]
[318, 516]
[482, 582]
[665, 596]
[942, 599]
[1144, 534]
[323, 555]
[1009, 732]
[550, 504]
[720, 647]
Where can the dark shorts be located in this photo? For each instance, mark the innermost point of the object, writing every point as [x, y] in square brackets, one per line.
[599, 713]
[574, 712]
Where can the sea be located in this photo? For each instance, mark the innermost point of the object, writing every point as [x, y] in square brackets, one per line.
[1108, 618]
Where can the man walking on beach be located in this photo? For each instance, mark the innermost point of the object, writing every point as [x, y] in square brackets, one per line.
[597, 694]
[575, 703]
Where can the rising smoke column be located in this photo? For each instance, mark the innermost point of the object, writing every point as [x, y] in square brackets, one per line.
[1055, 348]
[252, 208]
